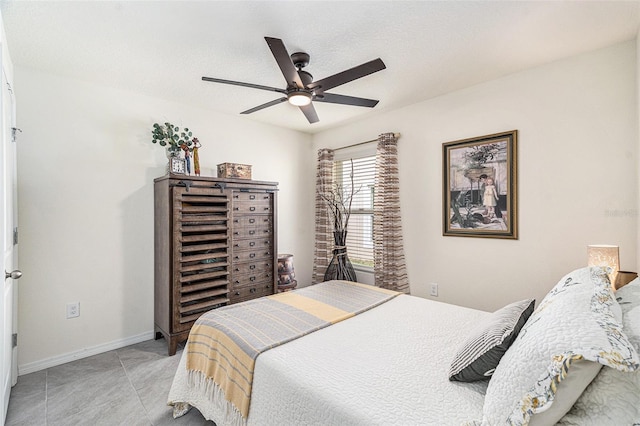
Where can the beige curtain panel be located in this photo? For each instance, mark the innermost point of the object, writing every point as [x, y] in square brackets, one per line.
[324, 234]
[388, 253]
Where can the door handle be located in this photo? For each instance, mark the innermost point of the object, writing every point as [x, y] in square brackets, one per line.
[14, 275]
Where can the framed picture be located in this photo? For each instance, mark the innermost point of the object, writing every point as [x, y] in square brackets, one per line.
[479, 197]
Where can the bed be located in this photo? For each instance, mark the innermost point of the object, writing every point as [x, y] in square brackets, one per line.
[391, 364]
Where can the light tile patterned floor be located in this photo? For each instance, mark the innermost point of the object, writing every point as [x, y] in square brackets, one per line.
[128, 386]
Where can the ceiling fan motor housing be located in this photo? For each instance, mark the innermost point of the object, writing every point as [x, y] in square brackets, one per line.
[306, 78]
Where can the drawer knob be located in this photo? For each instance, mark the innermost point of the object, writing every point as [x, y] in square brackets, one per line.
[252, 220]
[237, 293]
[252, 278]
[250, 267]
[252, 197]
[251, 255]
[253, 231]
[253, 290]
[252, 243]
[252, 209]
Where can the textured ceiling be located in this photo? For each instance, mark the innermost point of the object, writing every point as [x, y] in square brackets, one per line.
[162, 49]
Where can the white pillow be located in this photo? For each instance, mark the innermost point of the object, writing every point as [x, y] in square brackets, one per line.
[567, 339]
[613, 398]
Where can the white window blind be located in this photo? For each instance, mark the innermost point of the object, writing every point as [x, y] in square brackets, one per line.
[360, 227]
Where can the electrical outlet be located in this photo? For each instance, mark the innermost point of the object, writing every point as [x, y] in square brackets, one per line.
[434, 290]
[73, 310]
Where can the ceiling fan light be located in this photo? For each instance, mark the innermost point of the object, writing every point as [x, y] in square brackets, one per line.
[299, 98]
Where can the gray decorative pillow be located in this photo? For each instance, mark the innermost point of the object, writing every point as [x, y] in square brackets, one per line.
[480, 354]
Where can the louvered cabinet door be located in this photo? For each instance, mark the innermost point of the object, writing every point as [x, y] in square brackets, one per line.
[201, 256]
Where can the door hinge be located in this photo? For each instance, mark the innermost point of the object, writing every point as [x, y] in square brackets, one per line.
[14, 131]
[15, 236]
[14, 340]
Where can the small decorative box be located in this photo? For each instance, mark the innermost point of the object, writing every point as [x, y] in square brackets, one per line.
[234, 170]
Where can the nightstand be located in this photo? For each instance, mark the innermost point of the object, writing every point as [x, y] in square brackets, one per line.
[623, 278]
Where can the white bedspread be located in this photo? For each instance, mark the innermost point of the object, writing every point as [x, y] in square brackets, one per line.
[385, 366]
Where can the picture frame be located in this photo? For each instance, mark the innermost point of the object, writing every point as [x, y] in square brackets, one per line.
[480, 191]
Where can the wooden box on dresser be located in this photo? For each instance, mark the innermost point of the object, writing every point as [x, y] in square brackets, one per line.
[215, 244]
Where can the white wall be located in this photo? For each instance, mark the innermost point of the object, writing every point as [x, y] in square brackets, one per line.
[86, 170]
[577, 170]
[86, 167]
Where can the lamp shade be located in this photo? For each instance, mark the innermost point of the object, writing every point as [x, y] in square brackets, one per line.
[607, 256]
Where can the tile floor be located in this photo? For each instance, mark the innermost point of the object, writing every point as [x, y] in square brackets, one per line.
[128, 386]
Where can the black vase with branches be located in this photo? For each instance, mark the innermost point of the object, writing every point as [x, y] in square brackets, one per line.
[339, 205]
[340, 267]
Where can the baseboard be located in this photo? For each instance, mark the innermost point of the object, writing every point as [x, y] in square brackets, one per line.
[32, 367]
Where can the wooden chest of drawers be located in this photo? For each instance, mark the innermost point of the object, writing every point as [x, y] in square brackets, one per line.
[215, 244]
[252, 250]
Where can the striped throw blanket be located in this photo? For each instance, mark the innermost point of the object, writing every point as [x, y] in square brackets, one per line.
[224, 343]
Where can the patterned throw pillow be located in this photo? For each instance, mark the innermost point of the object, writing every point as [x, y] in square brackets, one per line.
[558, 352]
[480, 354]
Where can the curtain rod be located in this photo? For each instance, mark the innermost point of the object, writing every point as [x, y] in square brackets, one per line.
[396, 135]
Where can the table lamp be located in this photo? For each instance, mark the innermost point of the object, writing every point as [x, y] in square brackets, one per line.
[607, 256]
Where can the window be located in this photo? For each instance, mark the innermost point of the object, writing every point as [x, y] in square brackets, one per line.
[360, 227]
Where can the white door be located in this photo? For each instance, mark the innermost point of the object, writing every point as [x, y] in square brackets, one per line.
[8, 235]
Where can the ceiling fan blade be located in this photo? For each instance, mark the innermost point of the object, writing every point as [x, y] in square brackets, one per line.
[348, 75]
[239, 83]
[345, 100]
[310, 112]
[284, 62]
[263, 106]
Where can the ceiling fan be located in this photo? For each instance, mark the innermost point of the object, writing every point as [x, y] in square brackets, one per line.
[301, 90]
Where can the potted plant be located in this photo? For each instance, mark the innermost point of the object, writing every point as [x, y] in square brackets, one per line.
[171, 137]
[175, 140]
